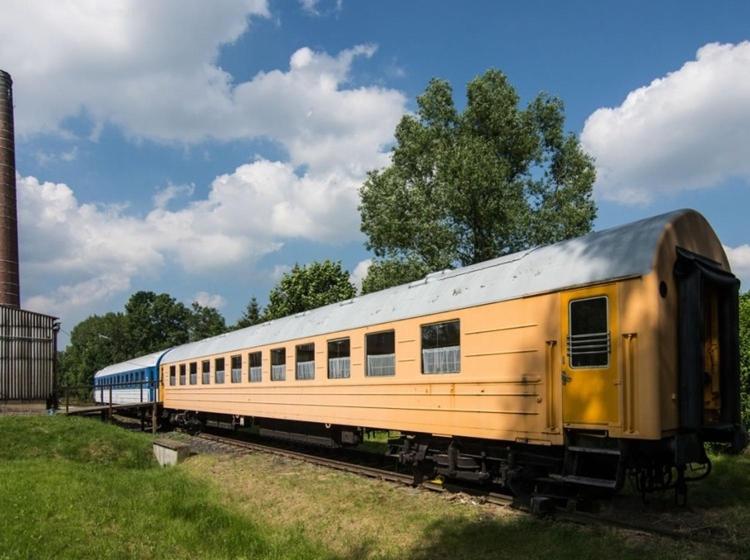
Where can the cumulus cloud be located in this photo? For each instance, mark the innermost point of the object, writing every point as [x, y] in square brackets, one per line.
[121, 61]
[312, 7]
[151, 69]
[205, 299]
[687, 130]
[247, 214]
[45, 158]
[279, 270]
[739, 260]
[359, 273]
[164, 196]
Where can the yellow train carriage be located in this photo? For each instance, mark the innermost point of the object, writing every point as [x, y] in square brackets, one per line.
[574, 362]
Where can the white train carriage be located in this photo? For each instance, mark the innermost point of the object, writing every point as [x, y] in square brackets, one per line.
[129, 382]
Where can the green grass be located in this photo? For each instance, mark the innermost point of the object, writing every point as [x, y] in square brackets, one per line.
[75, 488]
[356, 517]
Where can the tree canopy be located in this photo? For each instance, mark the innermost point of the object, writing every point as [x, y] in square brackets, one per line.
[150, 322]
[464, 187]
[251, 316]
[384, 273]
[95, 342]
[307, 287]
[155, 322]
[205, 322]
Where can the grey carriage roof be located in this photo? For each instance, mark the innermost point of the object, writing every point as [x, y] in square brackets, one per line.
[619, 252]
[141, 362]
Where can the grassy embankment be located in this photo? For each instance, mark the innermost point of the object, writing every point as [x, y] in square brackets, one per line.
[76, 488]
[73, 488]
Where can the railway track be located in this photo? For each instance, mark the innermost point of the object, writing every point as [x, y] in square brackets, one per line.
[495, 498]
[346, 466]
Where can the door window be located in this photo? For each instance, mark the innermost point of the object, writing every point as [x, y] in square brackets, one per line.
[589, 337]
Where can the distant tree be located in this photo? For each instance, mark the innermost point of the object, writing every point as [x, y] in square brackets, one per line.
[307, 287]
[95, 342]
[464, 187]
[205, 322]
[251, 316]
[156, 322]
[745, 355]
[385, 273]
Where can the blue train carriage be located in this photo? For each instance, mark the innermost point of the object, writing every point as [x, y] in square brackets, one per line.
[131, 381]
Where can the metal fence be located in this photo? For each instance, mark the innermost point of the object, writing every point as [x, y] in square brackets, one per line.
[28, 355]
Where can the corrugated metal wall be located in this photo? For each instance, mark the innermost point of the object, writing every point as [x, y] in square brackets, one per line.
[28, 348]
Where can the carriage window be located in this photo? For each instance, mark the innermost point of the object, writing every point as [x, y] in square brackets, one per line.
[305, 361]
[182, 374]
[254, 361]
[441, 348]
[206, 372]
[171, 375]
[193, 373]
[236, 369]
[278, 364]
[381, 354]
[338, 358]
[589, 337]
[219, 370]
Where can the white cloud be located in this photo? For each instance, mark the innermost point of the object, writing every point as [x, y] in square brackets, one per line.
[164, 196]
[247, 214]
[205, 299]
[359, 273]
[151, 69]
[121, 61]
[70, 297]
[45, 158]
[279, 270]
[739, 260]
[312, 7]
[687, 130]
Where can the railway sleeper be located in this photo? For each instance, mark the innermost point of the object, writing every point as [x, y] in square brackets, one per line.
[590, 465]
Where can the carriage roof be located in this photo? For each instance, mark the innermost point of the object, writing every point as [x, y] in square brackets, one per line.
[620, 252]
[141, 362]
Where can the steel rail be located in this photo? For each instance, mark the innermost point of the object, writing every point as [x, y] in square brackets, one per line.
[369, 472]
[499, 499]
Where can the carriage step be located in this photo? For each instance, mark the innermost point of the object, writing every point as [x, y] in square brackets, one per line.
[585, 480]
[599, 450]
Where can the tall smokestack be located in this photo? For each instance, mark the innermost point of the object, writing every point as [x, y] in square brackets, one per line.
[9, 282]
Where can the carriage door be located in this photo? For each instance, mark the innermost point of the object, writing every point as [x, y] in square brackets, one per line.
[708, 343]
[589, 361]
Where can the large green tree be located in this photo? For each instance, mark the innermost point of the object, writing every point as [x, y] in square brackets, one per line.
[384, 273]
[251, 316]
[95, 342]
[467, 186]
[745, 355]
[156, 321]
[205, 322]
[307, 287]
[151, 322]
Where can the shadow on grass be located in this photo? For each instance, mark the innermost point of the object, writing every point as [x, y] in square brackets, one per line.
[528, 537]
[727, 485]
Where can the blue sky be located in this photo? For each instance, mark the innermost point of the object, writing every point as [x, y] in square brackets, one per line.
[203, 148]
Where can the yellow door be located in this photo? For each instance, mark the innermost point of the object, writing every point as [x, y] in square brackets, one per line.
[590, 368]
